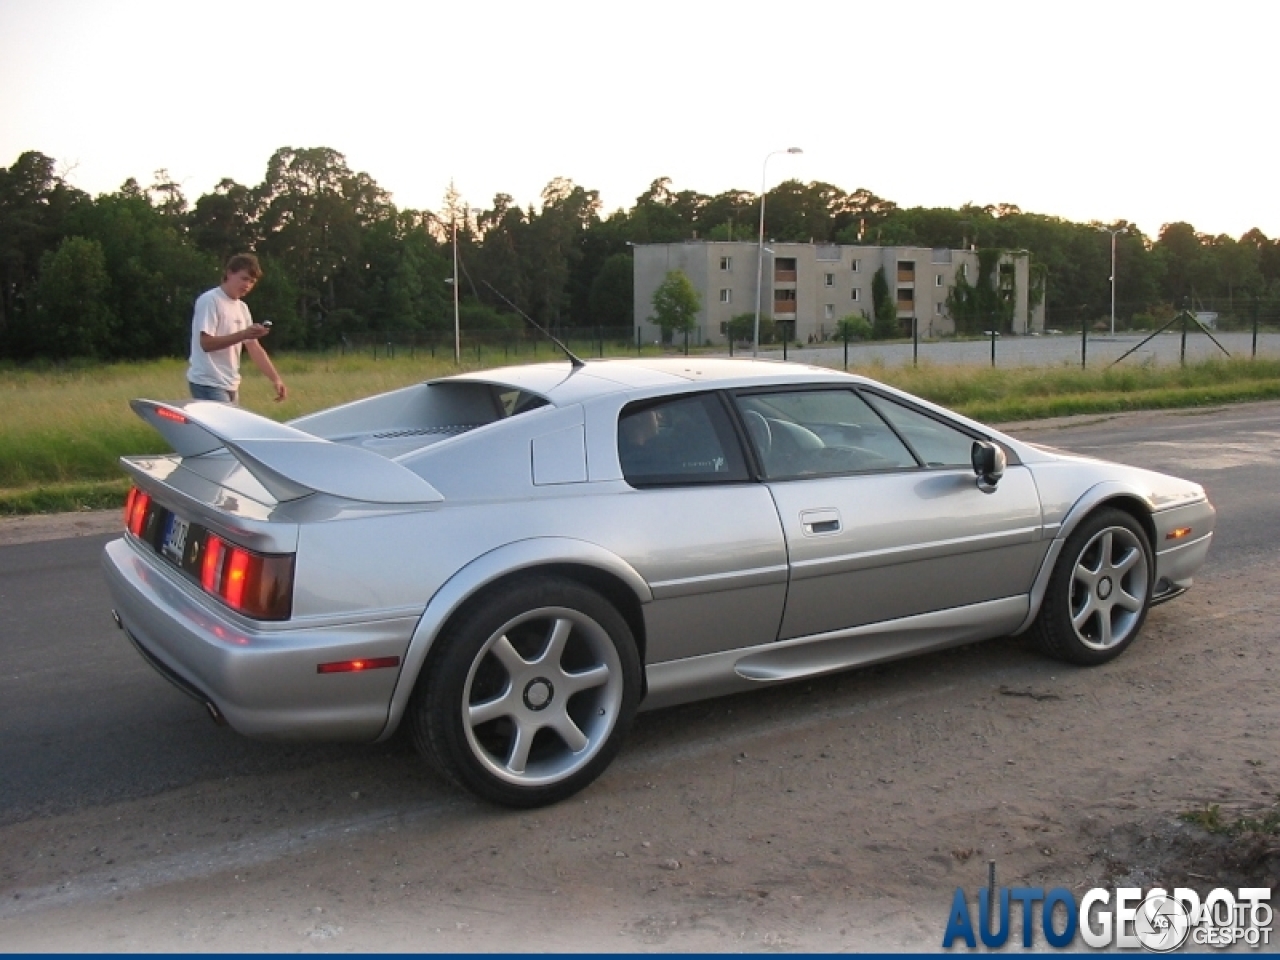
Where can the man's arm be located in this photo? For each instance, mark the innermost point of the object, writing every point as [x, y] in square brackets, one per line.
[263, 363]
[209, 343]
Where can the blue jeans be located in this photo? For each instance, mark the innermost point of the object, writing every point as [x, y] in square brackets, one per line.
[200, 392]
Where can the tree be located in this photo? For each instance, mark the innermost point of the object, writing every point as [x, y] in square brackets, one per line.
[155, 273]
[73, 291]
[34, 206]
[1237, 266]
[555, 247]
[405, 290]
[654, 218]
[1188, 268]
[884, 307]
[225, 222]
[499, 259]
[675, 305]
[314, 211]
[806, 213]
[613, 292]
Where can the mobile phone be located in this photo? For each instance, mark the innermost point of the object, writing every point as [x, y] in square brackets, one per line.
[266, 323]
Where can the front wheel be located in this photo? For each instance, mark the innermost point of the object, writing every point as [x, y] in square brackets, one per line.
[1099, 592]
[528, 695]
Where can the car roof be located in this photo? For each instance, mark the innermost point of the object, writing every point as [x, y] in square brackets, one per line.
[561, 383]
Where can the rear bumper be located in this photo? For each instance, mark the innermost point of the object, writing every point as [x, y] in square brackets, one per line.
[261, 677]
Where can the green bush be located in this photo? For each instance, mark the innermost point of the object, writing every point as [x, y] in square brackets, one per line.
[855, 326]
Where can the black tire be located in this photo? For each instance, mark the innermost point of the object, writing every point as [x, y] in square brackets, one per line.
[527, 695]
[1099, 592]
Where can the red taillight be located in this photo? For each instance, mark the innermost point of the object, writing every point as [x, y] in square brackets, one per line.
[211, 565]
[135, 511]
[255, 584]
[167, 414]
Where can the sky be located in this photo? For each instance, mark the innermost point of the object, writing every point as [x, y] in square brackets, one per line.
[1090, 111]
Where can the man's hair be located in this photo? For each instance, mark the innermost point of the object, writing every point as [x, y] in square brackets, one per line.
[244, 261]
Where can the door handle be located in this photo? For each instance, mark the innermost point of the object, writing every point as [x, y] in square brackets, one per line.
[816, 523]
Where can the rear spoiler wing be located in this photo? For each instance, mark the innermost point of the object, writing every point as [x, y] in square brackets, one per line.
[288, 462]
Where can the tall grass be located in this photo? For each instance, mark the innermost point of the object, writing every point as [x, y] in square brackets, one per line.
[63, 430]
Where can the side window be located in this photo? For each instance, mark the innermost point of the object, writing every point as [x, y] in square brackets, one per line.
[680, 440]
[807, 433]
[938, 444]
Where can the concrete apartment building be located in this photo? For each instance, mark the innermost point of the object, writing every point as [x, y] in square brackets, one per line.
[813, 286]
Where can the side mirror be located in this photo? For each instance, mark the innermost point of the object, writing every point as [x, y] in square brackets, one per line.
[989, 461]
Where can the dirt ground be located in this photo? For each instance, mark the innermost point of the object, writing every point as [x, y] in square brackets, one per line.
[30, 529]
[839, 814]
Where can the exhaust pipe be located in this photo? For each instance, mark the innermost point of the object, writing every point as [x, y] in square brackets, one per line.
[182, 684]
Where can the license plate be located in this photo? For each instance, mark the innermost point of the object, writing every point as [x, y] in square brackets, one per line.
[175, 539]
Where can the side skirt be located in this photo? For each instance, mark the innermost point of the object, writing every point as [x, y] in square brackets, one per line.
[731, 671]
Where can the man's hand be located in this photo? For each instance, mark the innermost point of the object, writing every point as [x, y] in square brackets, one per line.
[255, 331]
[282, 392]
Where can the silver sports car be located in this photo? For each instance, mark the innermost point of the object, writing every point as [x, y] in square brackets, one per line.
[514, 561]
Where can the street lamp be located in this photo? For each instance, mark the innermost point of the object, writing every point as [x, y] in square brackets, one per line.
[457, 324]
[1113, 273]
[755, 338]
[455, 283]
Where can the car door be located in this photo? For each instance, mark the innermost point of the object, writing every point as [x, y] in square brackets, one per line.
[882, 513]
[698, 528]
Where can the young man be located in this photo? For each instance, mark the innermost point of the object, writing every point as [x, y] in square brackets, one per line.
[222, 325]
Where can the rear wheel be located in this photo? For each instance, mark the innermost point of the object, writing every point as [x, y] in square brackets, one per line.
[529, 692]
[1099, 592]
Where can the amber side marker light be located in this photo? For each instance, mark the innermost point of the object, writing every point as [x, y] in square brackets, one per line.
[356, 666]
[1177, 533]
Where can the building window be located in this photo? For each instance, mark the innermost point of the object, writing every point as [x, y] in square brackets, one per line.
[784, 295]
[906, 296]
[855, 294]
[829, 311]
[964, 270]
[829, 279]
[906, 271]
[856, 265]
[726, 263]
[937, 309]
[726, 296]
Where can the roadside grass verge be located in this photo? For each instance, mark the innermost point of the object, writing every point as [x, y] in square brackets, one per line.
[62, 430]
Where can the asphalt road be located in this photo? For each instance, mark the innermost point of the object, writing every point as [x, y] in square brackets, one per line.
[84, 721]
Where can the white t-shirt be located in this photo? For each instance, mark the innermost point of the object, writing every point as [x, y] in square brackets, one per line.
[217, 315]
